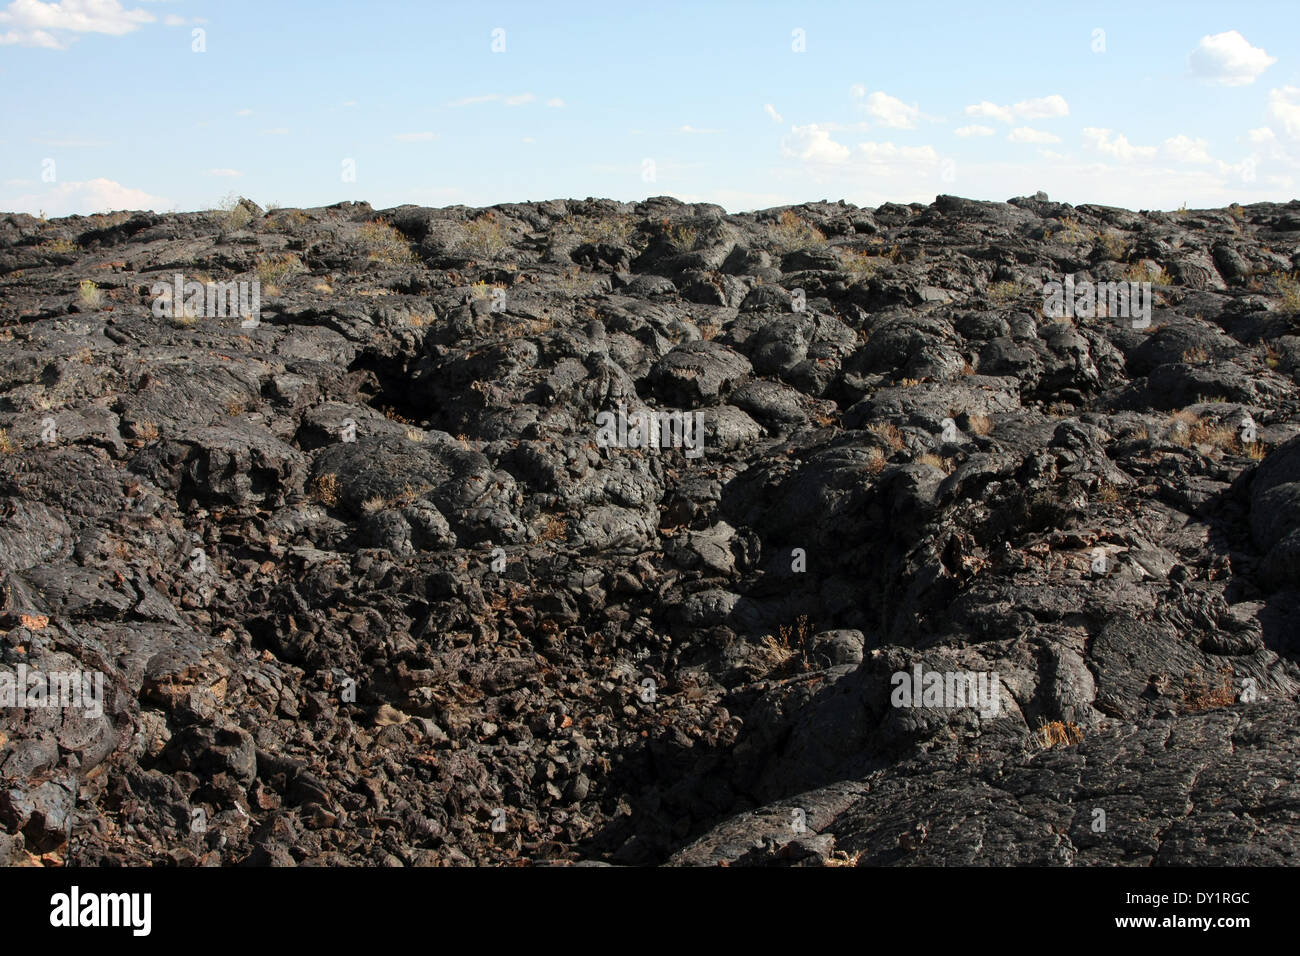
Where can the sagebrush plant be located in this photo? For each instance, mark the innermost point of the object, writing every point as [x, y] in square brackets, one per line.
[7, 445]
[1113, 246]
[613, 230]
[860, 265]
[272, 270]
[232, 214]
[1288, 288]
[790, 233]
[57, 246]
[684, 238]
[383, 243]
[1001, 293]
[88, 294]
[1153, 273]
[484, 237]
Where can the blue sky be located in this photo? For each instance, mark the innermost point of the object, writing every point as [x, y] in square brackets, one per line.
[106, 104]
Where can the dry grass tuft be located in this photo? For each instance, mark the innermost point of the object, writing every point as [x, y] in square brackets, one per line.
[792, 233]
[1058, 733]
[327, 488]
[383, 243]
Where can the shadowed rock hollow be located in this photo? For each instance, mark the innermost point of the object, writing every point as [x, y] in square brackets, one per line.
[366, 586]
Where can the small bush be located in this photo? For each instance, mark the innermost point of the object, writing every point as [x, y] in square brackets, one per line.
[791, 233]
[88, 295]
[7, 445]
[684, 238]
[272, 270]
[1113, 246]
[1001, 293]
[887, 433]
[327, 488]
[233, 214]
[861, 266]
[58, 247]
[1288, 287]
[483, 238]
[382, 243]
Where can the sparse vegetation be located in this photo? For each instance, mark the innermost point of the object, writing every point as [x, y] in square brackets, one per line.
[383, 243]
[1148, 272]
[888, 433]
[1058, 733]
[790, 233]
[1202, 691]
[1001, 293]
[327, 488]
[860, 265]
[1113, 246]
[7, 445]
[684, 238]
[1288, 287]
[553, 528]
[88, 295]
[233, 214]
[57, 247]
[945, 465]
[876, 461]
[273, 270]
[484, 237]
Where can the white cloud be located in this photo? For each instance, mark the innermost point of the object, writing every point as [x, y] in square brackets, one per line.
[770, 110]
[891, 111]
[1261, 136]
[1119, 147]
[992, 111]
[1228, 59]
[887, 153]
[83, 198]
[519, 99]
[1284, 107]
[422, 137]
[34, 23]
[1026, 134]
[555, 103]
[244, 112]
[172, 20]
[224, 172]
[1184, 149]
[1042, 107]
[695, 129]
[813, 144]
[857, 90]
[276, 131]
[973, 130]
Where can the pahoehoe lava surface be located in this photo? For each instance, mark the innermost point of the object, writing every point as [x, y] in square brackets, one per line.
[366, 588]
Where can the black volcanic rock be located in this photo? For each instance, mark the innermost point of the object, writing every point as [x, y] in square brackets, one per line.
[363, 580]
